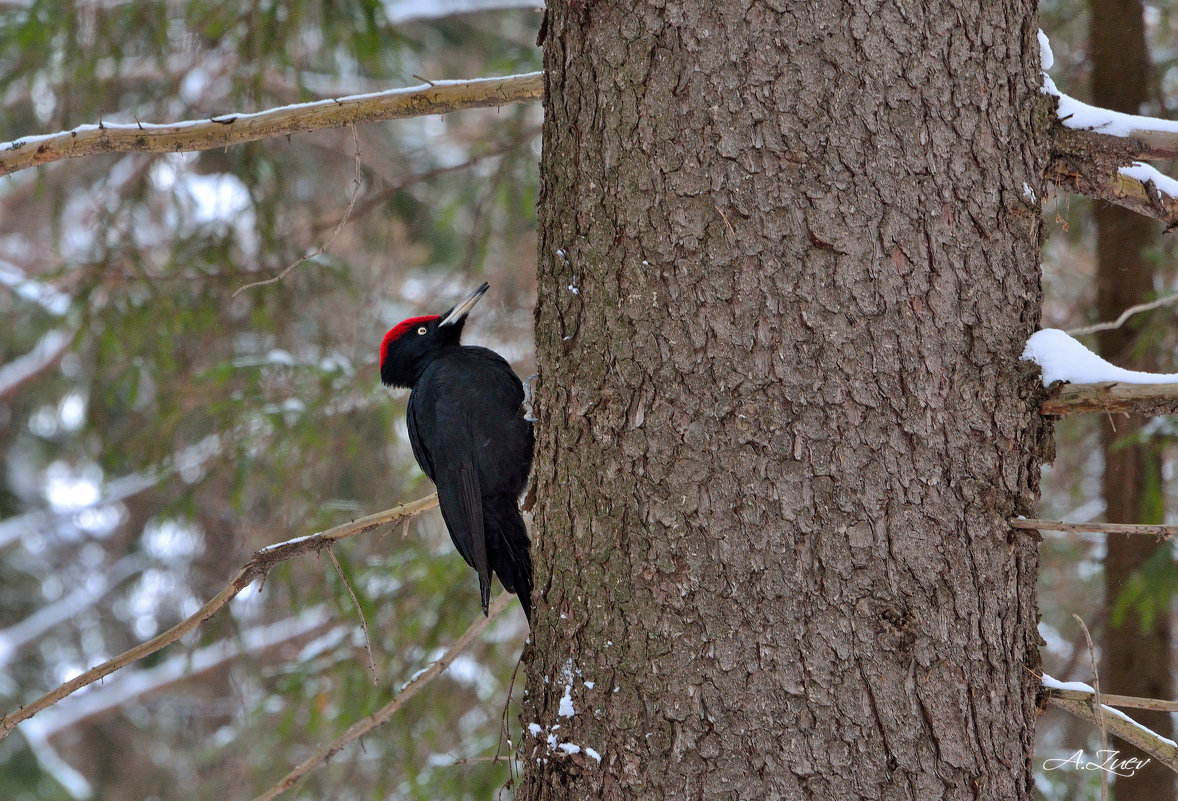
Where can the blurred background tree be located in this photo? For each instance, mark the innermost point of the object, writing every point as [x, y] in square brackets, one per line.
[156, 429]
[1098, 261]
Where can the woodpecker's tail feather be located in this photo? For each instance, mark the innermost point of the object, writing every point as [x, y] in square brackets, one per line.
[508, 549]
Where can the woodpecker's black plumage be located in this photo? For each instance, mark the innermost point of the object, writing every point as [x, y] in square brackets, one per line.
[468, 432]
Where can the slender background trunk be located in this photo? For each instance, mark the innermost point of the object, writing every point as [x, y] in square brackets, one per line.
[1135, 661]
[788, 261]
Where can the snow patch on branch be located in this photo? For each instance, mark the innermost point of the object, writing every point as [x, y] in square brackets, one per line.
[1055, 684]
[1062, 358]
[1079, 686]
[1078, 115]
[1140, 171]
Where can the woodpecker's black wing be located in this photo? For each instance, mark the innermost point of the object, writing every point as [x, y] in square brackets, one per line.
[468, 435]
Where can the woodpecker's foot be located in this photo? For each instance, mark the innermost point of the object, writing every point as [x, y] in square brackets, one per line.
[529, 415]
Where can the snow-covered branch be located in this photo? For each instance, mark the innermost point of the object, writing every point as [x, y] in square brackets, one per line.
[44, 355]
[1088, 383]
[1096, 152]
[1081, 700]
[1106, 168]
[18, 635]
[1151, 137]
[438, 97]
[257, 568]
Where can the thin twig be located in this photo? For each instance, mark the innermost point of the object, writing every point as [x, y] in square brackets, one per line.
[319, 250]
[1125, 315]
[257, 568]
[382, 716]
[1097, 704]
[1120, 701]
[363, 623]
[505, 725]
[1148, 529]
[382, 197]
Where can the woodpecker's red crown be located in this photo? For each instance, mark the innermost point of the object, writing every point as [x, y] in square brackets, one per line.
[401, 329]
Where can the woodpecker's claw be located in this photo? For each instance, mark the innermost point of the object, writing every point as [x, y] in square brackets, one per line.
[529, 414]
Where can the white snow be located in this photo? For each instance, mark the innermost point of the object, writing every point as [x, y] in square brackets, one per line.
[1081, 116]
[291, 541]
[47, 297]
[1127, 719]
[48, 349]
[1063, 358]
[400, 11]
[591, 753]
[1055, 684]
[1147, 174]
[570, 748]
[534, 729]
[1046, 58]
[566, 709]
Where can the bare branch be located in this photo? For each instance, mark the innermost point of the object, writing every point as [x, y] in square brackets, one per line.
[1111, 396]
[1123, 701]
[1155, 143]
[1097, 704]
[230, 129]
[263, 561]
[1168, 300]
[359, 612]
[179, 667]
[1035, 524]
[382, 716]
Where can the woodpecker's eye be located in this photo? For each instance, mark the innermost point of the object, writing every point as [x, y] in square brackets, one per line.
[421, 330]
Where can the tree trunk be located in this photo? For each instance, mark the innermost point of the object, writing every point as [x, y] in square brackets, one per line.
[1135, 661]
[788, 262]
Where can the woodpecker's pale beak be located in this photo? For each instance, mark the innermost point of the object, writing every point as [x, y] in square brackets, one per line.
[460, 311]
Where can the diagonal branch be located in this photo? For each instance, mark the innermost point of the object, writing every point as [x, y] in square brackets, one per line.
[437, 97]
[1106, 168]
[257, 568]
[381, 716]
[1118, 723]
[1168, 300]
[48, 351]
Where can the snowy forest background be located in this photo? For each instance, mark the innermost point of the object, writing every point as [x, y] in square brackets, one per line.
[157, 425]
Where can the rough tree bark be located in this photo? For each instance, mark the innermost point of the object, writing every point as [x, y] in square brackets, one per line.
[788, 261]
[1134, 661]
